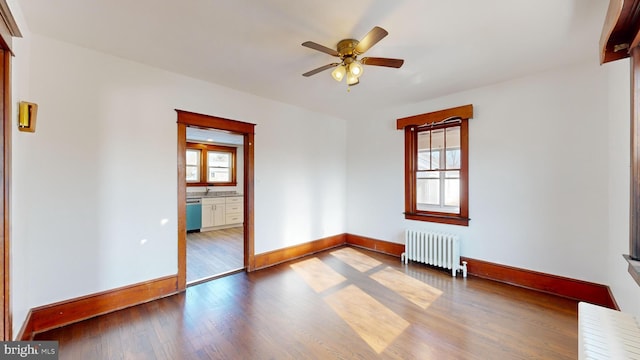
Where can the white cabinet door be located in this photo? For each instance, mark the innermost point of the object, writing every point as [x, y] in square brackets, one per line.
[212, 212]
[218, 214]
[207, 215]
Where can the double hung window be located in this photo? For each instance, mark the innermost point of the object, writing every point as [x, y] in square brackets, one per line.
[437, 166]
[210, 165]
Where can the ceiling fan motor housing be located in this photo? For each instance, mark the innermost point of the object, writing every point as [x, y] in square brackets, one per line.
[346, 48]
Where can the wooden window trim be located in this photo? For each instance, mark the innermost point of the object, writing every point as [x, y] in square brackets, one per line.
[411, 125]
[203, 164]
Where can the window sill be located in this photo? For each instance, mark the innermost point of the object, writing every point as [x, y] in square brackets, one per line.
[442, 219]
[634, 268]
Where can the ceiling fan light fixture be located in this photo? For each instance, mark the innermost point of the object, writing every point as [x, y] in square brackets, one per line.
[356, 69]
[348, 50]
[339, 72]
[352, 79]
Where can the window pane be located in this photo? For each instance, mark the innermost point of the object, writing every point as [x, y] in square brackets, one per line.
[193, 173]
[428, 193]
[453, 158]
[452, 190]
[437, 147]
[219, 174]
[453, 147]
[424, 148]
[218, 159]
[424, 159]
[435, 160]
[193, 157]
[424, 141]
[453, 137]
[428, 189]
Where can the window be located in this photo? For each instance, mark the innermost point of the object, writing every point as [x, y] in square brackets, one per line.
[438, 171]
[193, 165]
[210, 165]
[219, 166]
[436, 166]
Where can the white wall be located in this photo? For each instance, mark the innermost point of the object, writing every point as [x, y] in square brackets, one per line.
[95, 185]
[539, 182]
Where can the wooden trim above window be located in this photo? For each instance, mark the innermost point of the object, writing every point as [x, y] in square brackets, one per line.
[463, 112]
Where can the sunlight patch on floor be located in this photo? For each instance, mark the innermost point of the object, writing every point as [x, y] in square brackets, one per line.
[375, 323]
[356, 259]
[317, 274]
[404, 285]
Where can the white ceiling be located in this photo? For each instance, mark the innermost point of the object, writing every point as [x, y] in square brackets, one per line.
[214, 136]
[254, 46]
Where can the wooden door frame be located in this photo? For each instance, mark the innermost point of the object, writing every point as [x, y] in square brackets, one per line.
[6, 190]
[8, 30]
[186, 118]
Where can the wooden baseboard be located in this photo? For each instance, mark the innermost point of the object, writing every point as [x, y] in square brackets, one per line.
[25, 334]
[297, 251]
[66, 312]
[557, 285]
[566, 287]
[382, 246]
[55, 315]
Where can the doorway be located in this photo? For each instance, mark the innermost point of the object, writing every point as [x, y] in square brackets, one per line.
[214, 209]
[189, 120]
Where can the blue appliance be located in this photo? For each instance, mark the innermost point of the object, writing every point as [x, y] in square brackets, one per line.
[194, 214]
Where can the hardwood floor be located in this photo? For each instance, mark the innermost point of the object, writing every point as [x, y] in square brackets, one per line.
[344, 303]
[214, 252]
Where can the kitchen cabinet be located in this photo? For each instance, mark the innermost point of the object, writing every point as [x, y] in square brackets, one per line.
[234, 210]
[213, 212]
[222, 212]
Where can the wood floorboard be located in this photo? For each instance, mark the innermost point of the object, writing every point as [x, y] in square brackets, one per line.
[282, 313]
[214, 252]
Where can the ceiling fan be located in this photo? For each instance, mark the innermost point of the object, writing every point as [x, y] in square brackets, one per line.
[348, 51]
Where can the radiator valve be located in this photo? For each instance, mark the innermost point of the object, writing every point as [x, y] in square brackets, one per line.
[464, 269]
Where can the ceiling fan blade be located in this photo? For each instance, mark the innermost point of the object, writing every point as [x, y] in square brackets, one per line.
[376, 34]
[377, 61]
[320, 69]
[322, 48]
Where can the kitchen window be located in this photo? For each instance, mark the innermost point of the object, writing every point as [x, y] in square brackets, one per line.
[219, 166]
[436, 166]
[193, 165]
[209, 164]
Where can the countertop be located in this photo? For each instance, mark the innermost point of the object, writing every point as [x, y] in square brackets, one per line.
[211, 194]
